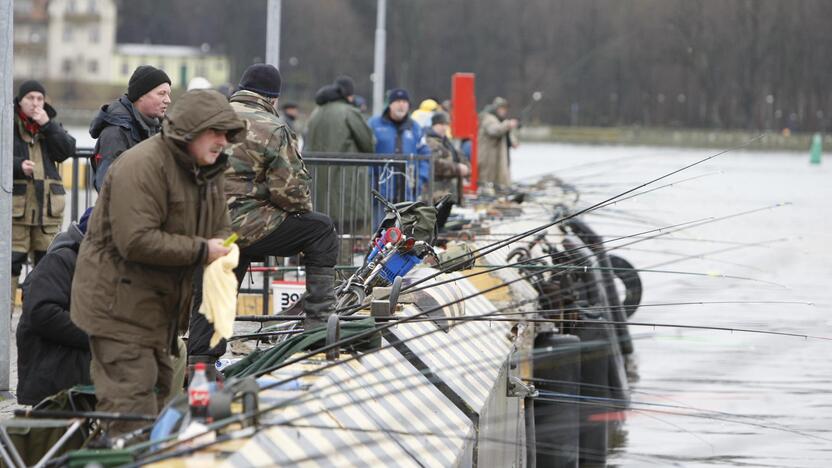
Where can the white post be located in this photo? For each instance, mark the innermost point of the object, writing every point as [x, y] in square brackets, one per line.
[273, 32]
[378, 68]
[6, 135]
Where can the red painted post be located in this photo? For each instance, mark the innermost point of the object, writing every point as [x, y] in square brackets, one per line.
[464, 122]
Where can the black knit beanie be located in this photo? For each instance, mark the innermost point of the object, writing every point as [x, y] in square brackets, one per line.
[345, 85]
[262, 79]
[29, 86]
[144, 79]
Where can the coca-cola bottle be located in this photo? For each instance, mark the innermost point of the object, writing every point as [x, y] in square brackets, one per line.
[199, 394]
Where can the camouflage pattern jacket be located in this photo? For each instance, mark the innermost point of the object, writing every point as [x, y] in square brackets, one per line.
[267, 179]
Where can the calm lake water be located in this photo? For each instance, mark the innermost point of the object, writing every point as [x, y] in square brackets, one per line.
[719, 398]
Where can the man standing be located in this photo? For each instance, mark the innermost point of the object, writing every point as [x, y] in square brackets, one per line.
[495, 140]
[337, 126]
[161, 216]
[268, 189]
[448, 167]
[40, 143]
[397, 133]
[129, 119]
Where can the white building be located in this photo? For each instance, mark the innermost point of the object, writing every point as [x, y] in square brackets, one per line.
[75, 40]
[82, 37]
[31, 26]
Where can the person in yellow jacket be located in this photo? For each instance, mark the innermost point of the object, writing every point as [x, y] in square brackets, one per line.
[40, 144]
[425, 111]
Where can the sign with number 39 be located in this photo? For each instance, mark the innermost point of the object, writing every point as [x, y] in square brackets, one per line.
[286, 293]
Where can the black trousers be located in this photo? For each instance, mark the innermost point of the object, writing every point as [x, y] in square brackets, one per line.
[312, 234]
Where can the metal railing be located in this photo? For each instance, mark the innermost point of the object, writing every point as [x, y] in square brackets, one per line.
[342, 184]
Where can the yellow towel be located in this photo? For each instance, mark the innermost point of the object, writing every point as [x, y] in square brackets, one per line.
[219, 294]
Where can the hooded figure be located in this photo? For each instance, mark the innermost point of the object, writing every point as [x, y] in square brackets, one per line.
[157, 221]
[52, 353]
[337, 126]
[39, 144]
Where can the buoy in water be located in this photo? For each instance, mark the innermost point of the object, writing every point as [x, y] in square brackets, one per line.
[816, 151]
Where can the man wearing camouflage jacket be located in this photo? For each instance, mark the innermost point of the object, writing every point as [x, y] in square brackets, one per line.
[268, 190]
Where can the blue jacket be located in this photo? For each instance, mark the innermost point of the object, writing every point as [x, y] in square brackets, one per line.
[404, 138]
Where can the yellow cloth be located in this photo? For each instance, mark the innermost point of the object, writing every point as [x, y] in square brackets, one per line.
[219, 294]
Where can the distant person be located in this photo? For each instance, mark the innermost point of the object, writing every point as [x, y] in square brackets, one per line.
[160, 218]
[53, 354]
[448, 167]
[39, 144]
[397, 133]
[337, 126]
[425, 111]
[494, 143]
[134, 117]
[290, 112]
[199, 82]
[361, 103]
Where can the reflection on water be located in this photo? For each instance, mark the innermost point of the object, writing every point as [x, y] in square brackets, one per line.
[708, 397]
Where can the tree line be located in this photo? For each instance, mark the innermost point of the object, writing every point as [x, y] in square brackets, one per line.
[746, 64]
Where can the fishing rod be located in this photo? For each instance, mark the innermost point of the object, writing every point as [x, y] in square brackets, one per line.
[664, 231]
[639, 193]
[617, 160]
[266, 334]
[478, 253]
[715, 417]
[366, 334]
[719, 251]
[355, 357]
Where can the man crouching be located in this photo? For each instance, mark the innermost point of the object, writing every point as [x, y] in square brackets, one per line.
[160, 216]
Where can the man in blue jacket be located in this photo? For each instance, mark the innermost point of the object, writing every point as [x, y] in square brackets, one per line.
[397, 133]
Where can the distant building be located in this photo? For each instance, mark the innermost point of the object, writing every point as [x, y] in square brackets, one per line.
[181, 63]
[82, 36]
[31, 25]
[75, 40]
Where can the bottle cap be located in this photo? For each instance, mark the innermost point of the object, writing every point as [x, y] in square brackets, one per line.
[200, 366]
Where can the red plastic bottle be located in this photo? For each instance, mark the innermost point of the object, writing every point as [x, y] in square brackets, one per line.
[199, 394]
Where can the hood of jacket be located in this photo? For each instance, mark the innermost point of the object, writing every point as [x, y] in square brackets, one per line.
[428, 105]
[327, 94]
[199, 110]
[71, 238]
[195, 112]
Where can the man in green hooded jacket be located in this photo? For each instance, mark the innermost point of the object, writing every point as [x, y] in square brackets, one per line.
[160, 217]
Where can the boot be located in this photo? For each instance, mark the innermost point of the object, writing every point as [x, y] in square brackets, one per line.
[320, 300]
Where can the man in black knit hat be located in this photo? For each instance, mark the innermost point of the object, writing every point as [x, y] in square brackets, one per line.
[133, 117]
[40, 144]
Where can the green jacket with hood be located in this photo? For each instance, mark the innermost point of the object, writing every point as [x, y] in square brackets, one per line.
[149, 231]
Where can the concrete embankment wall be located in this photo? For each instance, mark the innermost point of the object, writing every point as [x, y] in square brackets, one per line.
[694, 138]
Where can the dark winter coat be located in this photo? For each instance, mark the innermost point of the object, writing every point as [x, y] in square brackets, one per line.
[149, 230]
[336, 126]
[52, 353]
[39, 200]
[118, 127]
